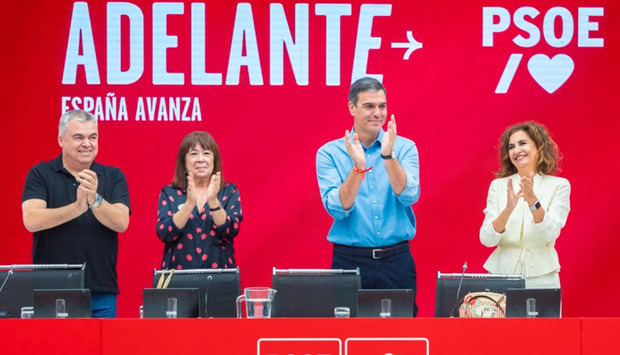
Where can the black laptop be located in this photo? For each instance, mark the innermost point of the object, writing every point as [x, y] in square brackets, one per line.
[369, 302]
[547, 302]
[61, 303]
[155, 302]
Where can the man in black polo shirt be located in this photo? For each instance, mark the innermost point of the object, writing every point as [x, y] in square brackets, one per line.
[76, 207]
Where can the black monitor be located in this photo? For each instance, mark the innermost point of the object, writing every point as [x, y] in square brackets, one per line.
[219, 288]
[369, 302]
[314, 292]
[17, 283]
[63, 303]
[156, 302]
[543, 302]
[446, 303]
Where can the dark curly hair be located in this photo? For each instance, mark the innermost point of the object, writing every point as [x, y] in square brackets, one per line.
[548, 153]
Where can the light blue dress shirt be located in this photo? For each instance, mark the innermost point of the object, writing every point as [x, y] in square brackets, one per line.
[378, 216]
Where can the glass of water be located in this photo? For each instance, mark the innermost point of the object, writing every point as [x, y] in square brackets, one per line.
[386, 308]
[171, 309]
[342, 312]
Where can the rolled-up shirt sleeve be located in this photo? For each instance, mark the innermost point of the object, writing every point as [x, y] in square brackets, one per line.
[409, 160]
[556, 213]
[330, 181]
[488, 235]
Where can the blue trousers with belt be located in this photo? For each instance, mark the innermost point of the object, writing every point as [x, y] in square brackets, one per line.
[386, 268]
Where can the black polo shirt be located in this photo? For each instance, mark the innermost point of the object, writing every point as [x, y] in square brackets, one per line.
[83, 239]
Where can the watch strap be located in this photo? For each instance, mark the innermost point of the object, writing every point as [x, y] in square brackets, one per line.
[389, 156]
[97, 203]
[535, 206]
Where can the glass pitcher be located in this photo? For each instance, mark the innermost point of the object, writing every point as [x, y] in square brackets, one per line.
[257, 302]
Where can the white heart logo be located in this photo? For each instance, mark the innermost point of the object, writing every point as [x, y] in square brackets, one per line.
[550, 73]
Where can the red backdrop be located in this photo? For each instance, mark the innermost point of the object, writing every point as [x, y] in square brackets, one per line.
[444, 97]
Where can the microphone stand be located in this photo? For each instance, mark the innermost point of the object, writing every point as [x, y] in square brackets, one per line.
[458, 290]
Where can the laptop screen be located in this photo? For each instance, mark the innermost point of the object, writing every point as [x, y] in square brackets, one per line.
[386, 303]
[543, 302]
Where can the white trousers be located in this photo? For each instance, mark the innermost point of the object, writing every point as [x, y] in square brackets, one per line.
[550, 280]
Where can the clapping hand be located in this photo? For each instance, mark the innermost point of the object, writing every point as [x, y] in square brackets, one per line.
[355, 150]
[527, 186]
[81, 200]
[192, 198]
[387, 143]
[87, 190]
[214, 186]
[512, 196]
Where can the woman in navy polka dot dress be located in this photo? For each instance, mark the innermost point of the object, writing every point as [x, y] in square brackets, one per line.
[199, 214]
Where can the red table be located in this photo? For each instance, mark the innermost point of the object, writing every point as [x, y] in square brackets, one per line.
[567, 336]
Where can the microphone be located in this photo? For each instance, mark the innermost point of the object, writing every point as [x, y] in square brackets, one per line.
[208, 283]
[458, 290]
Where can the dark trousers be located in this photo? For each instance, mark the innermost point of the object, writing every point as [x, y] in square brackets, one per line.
[391, 268]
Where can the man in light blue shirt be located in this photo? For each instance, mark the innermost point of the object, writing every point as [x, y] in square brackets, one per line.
[368, 181]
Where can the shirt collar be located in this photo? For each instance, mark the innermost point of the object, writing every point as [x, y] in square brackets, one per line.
[517, 178]
[376, 141]
[57, 166]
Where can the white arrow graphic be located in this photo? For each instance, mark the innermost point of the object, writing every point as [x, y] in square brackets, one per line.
[411, 46]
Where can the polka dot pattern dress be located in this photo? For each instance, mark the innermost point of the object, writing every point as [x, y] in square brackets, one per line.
[200, 244]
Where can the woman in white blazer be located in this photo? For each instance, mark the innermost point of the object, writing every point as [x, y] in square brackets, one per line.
[526, 208]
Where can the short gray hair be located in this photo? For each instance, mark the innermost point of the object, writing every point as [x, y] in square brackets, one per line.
[364, 84]
[78, 115]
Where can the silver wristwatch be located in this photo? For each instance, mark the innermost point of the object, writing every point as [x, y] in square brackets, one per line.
[98, 201]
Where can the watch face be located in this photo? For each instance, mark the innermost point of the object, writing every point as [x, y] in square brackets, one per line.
[98, 201]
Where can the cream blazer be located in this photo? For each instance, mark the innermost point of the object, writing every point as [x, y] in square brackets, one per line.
[526, 248]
